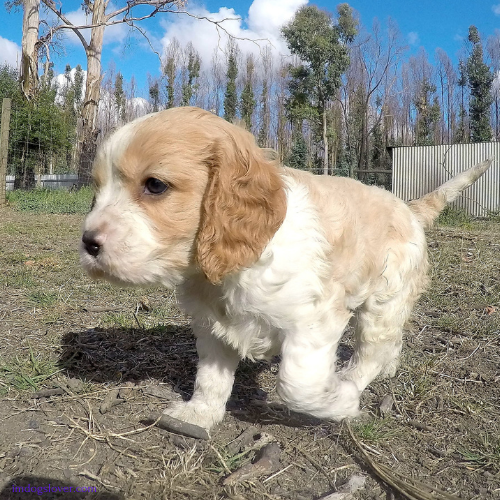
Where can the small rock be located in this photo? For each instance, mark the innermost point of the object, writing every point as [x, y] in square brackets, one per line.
[26, 452]
[386, 405]
[127, 390]
[267, 461]
[243, 440]
[75, 384]
[182, 442]
[13, 452]
[162, 392]
[345, 492]
[144, 305]
[33, 424]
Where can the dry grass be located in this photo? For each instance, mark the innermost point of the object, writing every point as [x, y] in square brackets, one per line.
[62, 330]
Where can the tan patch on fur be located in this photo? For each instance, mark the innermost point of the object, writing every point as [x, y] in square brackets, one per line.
[222, 193]
[428, 208]
[361, 223]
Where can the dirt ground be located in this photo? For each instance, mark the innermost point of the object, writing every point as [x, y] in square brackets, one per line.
[436, 425]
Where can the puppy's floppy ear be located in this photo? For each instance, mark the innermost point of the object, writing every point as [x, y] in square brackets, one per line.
[244, 205]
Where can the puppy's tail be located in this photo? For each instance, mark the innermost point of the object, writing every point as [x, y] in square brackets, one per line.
[430, 206]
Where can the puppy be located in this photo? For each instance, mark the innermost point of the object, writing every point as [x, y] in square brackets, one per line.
[266, 259]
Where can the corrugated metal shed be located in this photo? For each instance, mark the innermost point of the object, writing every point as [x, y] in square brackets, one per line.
[421, 169]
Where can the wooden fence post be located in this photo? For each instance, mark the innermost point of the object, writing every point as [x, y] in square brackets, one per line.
[4, 147]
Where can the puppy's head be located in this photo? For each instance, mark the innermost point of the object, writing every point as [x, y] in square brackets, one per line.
[179, 192]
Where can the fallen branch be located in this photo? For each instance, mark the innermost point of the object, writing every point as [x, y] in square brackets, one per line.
[176, 426]
[267, 462]
[47, 393]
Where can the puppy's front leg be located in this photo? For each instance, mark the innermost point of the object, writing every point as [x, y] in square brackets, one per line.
[214, 381]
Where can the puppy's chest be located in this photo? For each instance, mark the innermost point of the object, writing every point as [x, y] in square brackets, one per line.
[241, 319]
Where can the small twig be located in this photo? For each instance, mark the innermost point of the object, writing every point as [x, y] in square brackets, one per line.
[88, 474]
[277, 473]
[317, 465]
[137, 321]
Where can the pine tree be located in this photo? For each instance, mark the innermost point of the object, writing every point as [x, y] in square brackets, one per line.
[169, 70]
[460, 133]
[78, 85]
[231, 96]
[120, 100]
[193, 72]
[154, 95]
[247, 95]
[264, 123]
[480, 81]
[299, 154]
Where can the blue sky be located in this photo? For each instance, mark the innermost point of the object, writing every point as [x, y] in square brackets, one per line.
[423, 23]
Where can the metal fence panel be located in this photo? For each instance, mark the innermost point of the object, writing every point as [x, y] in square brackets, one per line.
[421, 169]
[49, 181]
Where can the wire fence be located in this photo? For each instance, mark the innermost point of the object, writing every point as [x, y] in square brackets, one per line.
[38, 145]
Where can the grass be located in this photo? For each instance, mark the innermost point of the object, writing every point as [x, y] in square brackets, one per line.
[455, 218]
[26, 374]
[376, 430]
[51, 201]
[43, 299]
[483, 454]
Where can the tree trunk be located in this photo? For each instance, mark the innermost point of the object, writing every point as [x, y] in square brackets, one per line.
[325, 141]
[28, 75]
[87, 143]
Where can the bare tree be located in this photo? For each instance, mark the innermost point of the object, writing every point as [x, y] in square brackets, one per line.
[447, 81]
[493, 49]
[100, 20]
[369, 83]
[30, 44]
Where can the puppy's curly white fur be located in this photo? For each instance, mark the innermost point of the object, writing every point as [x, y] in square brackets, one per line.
[266, 259]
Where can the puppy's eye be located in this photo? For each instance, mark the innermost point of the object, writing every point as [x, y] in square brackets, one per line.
[154, 186]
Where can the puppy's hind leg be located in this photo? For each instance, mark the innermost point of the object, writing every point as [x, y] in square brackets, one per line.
[379, 326]
[214, 381]
[380, 320]
[307, 381]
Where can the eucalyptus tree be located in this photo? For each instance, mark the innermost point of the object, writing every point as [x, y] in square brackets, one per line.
[322, 47]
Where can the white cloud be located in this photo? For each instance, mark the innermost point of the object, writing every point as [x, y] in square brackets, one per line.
[266, 17]
[413, 38]
[62, 82]
[496, 9]
[263, 23]
[10, 53]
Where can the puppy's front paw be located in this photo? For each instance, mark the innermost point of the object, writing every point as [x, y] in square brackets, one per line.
[196, 413]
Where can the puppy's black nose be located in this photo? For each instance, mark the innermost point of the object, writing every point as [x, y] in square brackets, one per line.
[90, 243]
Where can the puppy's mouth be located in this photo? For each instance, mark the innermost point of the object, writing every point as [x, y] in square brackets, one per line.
[97, 270]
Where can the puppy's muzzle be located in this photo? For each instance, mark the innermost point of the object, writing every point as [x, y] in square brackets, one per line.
[90, 243]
